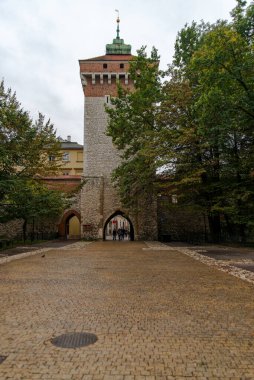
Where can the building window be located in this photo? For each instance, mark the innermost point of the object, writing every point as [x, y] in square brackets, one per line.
[105, 66]
[107, 99]
[52, 158]
[66, 156]
[79, 156]
[66, 172]
[121, 65]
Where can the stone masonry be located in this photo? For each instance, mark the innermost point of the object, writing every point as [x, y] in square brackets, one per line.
[101, 157]
[99, 199]
[11, 229]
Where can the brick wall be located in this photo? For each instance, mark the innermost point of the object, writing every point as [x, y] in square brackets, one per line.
[113, 66]
[99, 89]
[105, 79]
[65, 183]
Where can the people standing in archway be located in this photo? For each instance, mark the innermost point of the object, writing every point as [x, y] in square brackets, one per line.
[121, 224]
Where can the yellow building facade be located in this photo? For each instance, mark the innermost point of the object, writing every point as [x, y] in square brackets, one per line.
[72, 158]
[67, 180]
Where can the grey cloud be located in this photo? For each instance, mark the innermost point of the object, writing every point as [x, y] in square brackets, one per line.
[41, 42]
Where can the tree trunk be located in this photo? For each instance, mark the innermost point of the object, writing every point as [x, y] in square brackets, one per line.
[230, 229]
[32, 234]
[243, 233]
[24, 229]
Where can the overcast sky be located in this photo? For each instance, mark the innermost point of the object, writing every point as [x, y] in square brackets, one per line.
[41, 42]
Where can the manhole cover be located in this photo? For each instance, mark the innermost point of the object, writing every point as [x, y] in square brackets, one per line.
[74, 340]
[2, 358]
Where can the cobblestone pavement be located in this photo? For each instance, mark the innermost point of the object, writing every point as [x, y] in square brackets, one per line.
[26, 248]
[237, 261]
[158, 315]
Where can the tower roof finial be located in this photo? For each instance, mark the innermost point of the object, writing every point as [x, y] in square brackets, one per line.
[118, 21]
[118, 47]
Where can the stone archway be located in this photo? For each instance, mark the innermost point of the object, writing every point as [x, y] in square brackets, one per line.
[122, 214]
[70, 220]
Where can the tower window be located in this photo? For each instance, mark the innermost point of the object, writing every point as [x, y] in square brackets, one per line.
[105, 66]
[107, 99]
[121, 65]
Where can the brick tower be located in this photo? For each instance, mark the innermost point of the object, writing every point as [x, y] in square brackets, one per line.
[99, 200]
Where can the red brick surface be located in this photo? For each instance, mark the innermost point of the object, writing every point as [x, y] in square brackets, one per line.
[63, 183]
[95, 65]
[99, 90]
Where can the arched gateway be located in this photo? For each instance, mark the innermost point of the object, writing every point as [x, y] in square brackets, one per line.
[113, 223]
[69, 226]
[100, 77]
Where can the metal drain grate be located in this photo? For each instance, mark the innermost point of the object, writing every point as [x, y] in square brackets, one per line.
[74, 340]
[2, 358]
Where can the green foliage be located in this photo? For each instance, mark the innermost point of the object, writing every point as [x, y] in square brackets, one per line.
[25, 147]
[243, 19]
[187, 42]
[32, 202]
[214, 150]
[30, 198]
[196, 128]
[131, 125]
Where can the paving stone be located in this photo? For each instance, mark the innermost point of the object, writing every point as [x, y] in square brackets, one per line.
[158, 315]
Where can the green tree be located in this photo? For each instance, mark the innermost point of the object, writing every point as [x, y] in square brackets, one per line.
[187, 42]
[25, 146]
[132, 122]
[196, 128]
[225, 111]
[215, 147]
[34, 203]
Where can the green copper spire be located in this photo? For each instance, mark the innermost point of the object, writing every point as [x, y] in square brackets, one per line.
[118, 46]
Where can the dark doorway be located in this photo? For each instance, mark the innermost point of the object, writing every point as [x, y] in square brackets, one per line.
[118, 221]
